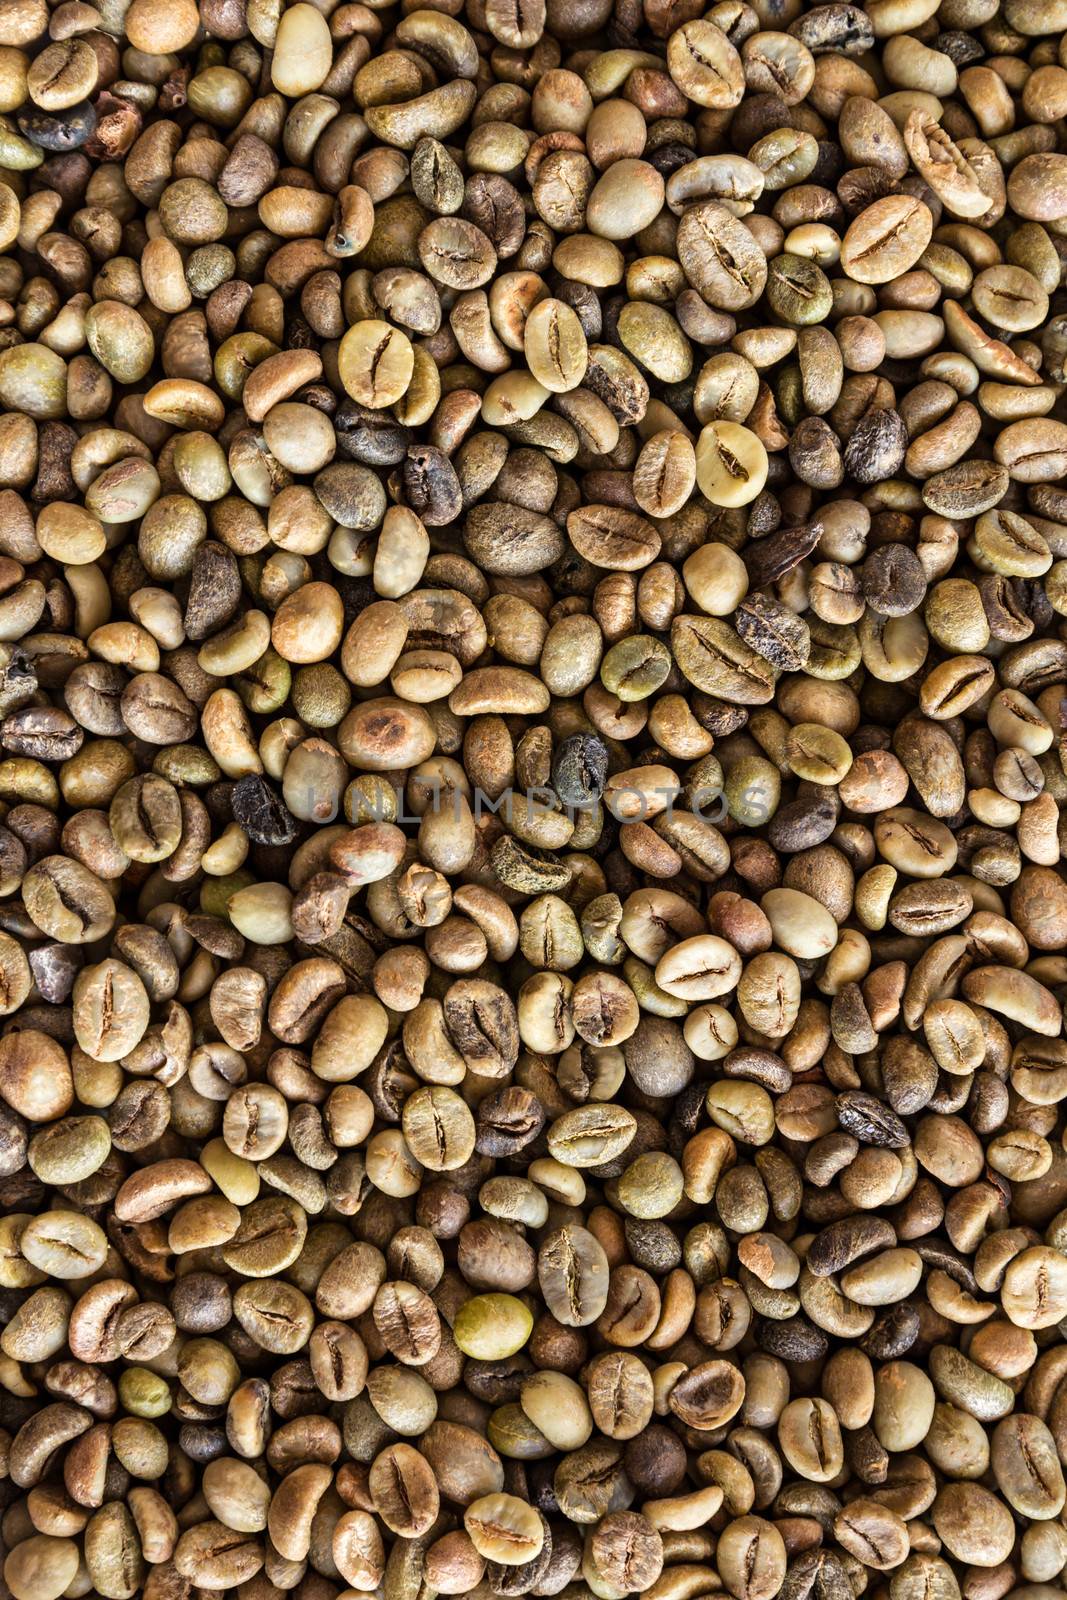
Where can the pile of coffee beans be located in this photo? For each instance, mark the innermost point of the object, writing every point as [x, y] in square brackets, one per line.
[533, 751]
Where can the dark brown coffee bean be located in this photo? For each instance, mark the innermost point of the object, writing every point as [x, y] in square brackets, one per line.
[894, 583]
[841, 1243]
[771, 558]
[870, 1121]
[876, 448]
[774, 632]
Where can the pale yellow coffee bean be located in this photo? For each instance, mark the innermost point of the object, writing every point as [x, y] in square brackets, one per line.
[801, 925]
[717, 578]
[303, 51]
[375, 361]
[555, 346]
[504, 1528]
[731, 464]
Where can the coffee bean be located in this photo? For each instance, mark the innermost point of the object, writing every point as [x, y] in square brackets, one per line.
[261, 814]
[719, 257]
[573, 1273]
[886, 239]
[771, 558]
[835, 27]
[774, 632]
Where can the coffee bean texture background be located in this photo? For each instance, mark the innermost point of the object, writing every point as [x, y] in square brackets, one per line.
[533, 760]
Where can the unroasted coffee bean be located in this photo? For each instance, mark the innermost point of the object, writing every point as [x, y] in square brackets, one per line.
[876, 1530]
[752, 1557]
[774, 632]
[893, 581]
[876, 449]
[510, 539]
[572, 1270]
[719, 258]
[886, 239]
[610, 536]
[503, 1529]
[1026, 1467]
[579, 770]
[708, 1395]
[261, 813]
[627, 1551]
[403, 1490]
[714, 658]
[772, 557]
